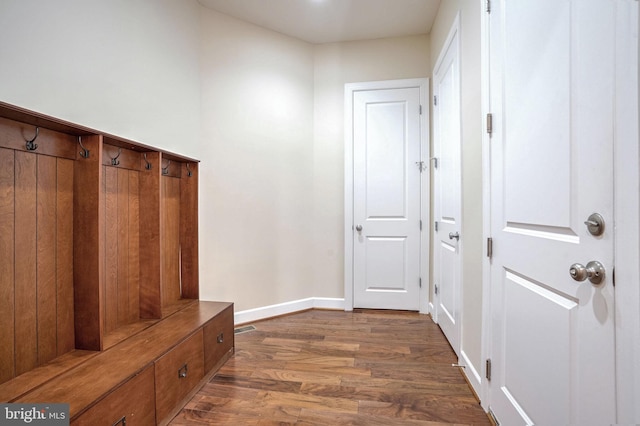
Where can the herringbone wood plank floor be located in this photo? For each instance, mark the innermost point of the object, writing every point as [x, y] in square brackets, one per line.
[338, 368]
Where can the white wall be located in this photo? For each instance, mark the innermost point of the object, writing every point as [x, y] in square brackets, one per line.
[124, 67]
[334, 65]
[262, 111]
[470, 10]
[256, 198]
[272, 173]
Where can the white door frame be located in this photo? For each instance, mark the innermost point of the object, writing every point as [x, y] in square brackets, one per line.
[350, 88]
[626, 213]
[452, 41]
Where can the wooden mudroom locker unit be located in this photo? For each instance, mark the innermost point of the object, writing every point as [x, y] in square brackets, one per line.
[99, 282]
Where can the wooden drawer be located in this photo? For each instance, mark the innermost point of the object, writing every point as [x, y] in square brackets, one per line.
[218, 338]
[133, 403]
[177, 373]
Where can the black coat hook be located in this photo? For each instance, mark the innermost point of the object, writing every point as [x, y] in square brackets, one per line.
[114, 160]
[85, 152]
[165, 170]
[30, 145]
[148, 164]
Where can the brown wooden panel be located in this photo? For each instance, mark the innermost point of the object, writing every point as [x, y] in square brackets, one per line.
[218, 338]
[7, 282]
[64, 266]
[150, 302]
[134, 246]
[26, 382]
[37, 119]
[125, 158]
[170, 248]
[123, 246]
[46, 288]
[26, 350]
[88, 247]
[103, 248]
[171, 387]
[133, 403]
[14, 134]
[111, 248]
[189, 230]
[171, 168]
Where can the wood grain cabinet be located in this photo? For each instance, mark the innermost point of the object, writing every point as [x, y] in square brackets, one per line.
[218, 338]
[177, 372]
[131, 404]
[99, 269]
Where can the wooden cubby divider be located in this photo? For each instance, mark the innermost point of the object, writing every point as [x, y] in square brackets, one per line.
[189, 230]
[88, 247]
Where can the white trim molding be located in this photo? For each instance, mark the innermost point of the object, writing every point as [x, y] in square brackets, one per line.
[627, 213]
[264, 312]
[472, 375]
[485, 345]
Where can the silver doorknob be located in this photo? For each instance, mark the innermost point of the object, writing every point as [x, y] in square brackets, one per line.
[452, 236]
[594, 271]
[358, 228]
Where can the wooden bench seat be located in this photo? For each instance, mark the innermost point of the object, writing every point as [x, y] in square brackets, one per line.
[89, 377]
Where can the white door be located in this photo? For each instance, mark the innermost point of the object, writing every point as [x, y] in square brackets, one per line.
[447, 190]
[386, 198]
[551, 94]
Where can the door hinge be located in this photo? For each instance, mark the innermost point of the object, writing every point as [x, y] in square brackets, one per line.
[435, 162]
[488, 6]
[490, 248]
[435, 100]
[488, 369]
[421, 224]
[420, 282]
[435, 226]
[420, 109]
[489, 123]
[435, 289]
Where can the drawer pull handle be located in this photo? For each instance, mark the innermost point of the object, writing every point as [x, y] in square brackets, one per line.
[220, 337]
[182, 372]
[121, 422]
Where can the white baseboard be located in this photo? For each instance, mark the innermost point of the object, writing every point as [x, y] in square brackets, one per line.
[243, 317]
[471, 373]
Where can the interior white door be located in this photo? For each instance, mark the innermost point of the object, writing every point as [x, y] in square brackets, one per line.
[447, 190]
[551, 94]
[386, 198]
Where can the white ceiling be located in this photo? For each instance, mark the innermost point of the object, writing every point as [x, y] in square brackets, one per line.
[325, 21]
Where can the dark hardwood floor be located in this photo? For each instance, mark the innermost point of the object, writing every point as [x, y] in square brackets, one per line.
[323, 367]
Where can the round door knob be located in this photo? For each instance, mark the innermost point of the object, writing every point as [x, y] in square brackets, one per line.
[578, 272]
[452, 236]
[594, 271]
[358, 228]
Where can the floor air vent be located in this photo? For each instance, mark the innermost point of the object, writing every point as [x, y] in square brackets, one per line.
[245, 329]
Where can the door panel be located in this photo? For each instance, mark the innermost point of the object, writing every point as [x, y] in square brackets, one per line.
[386, 205]
[447, 303]
[447, 192]
[386, 260]
[551, 78]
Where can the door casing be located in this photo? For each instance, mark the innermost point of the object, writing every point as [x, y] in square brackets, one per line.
[350, 88]
[453, 329]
